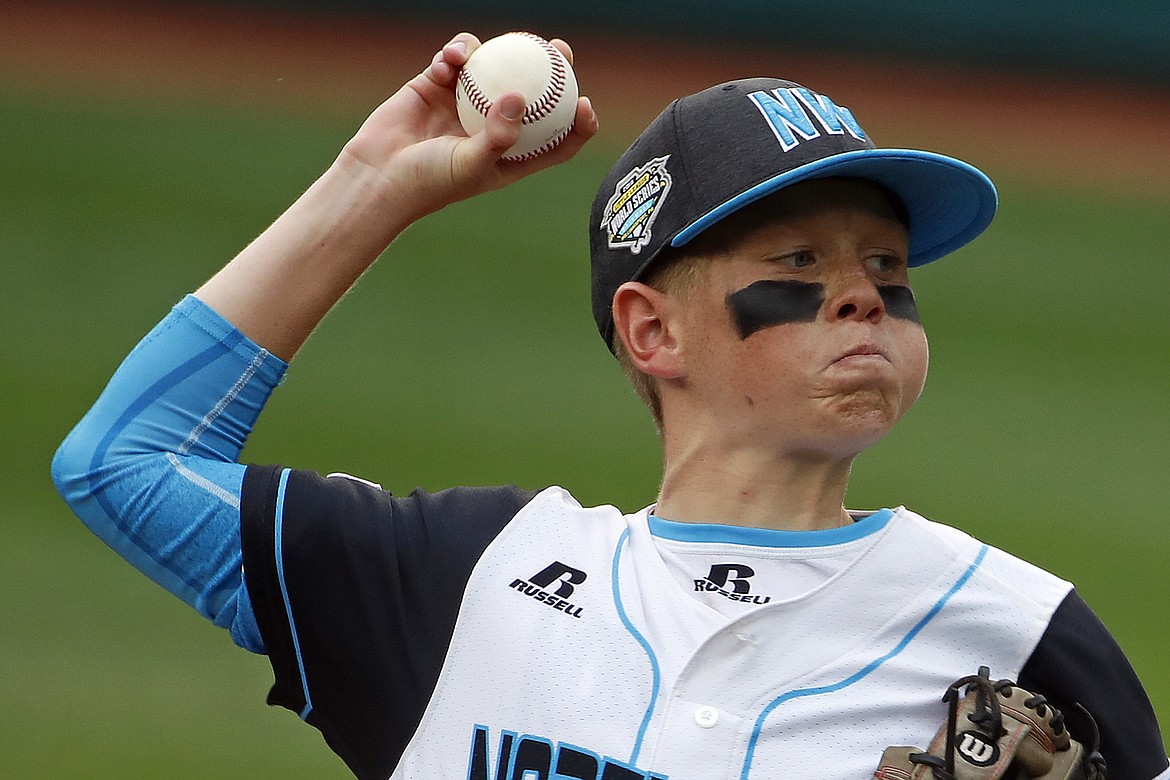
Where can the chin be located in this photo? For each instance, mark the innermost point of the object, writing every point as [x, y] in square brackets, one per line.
[859, 421]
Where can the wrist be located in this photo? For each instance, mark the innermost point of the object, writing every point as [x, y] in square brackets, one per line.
[396, 188]
[361, 208]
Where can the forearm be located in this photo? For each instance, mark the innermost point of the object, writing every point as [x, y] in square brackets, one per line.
[282, 285]
[409, 158]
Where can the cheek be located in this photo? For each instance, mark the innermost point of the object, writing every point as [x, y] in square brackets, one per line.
[916, 356]
[775, 366]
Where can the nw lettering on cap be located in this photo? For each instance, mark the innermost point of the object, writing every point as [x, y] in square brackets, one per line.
[790, 112]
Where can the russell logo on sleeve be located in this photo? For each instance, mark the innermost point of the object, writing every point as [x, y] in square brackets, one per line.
[553, 585]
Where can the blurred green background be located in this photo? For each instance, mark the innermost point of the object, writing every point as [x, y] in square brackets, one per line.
[468, 356]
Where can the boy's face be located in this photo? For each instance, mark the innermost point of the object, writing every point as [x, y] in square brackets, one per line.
[803, 333]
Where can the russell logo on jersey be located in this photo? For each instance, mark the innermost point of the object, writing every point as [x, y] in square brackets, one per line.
[730, 580]
[540, 587]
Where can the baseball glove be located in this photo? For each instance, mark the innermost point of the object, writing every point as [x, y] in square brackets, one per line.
[998, 730]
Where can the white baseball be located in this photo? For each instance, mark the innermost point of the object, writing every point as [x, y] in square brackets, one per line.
[528, 64]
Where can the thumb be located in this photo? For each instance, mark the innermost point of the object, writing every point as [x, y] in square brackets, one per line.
[502, 124]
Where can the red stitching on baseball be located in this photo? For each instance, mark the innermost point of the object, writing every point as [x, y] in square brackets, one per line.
[552, 94]
[545, 147]
[475, 95]
[537, 109]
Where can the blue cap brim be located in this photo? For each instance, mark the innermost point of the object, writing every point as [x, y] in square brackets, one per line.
[949, 201]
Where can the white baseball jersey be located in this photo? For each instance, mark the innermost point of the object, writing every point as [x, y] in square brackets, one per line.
[496, 634]
[502, 634]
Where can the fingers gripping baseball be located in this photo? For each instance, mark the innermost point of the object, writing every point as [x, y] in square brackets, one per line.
[500, 131]
[516, 97]
[423, 156]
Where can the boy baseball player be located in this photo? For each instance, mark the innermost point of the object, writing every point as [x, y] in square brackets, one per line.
[750, 258]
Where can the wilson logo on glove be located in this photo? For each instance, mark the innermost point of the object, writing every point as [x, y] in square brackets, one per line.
[1008, 732]
[975, 748]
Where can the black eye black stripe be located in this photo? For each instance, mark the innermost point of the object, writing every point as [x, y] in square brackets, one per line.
[770, 302]
[899, 302]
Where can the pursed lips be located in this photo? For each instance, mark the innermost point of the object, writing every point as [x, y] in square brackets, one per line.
[863, 352]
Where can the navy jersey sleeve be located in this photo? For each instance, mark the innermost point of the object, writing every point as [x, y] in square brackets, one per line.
[356, 593]
[1077, 661]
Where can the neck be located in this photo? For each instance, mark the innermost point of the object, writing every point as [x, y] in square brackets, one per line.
[749, 487]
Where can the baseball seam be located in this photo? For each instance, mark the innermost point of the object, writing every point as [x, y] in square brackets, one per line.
[537, 109]
[545, 147]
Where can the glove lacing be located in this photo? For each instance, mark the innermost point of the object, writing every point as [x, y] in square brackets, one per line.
[988, 717]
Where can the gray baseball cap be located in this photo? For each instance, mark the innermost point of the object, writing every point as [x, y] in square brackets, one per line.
[710, 154]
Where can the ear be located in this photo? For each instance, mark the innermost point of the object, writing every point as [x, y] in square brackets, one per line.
[643, 318]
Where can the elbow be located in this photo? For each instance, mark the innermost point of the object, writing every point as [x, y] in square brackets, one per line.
[96, 468]
[71, 469]
[86, 465]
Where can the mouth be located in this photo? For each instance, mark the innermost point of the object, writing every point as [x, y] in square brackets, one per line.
[863, 353]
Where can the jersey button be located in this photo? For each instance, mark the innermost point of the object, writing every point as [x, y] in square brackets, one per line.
[706, 717]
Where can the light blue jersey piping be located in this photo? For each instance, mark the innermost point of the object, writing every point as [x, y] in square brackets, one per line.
[621, 610]
[768, 537]
[278, 533]
[866, 670]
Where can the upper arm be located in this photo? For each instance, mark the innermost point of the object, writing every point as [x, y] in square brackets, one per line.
[356, 594]
[1077, 661]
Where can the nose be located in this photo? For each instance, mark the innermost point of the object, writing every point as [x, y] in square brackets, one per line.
[857, 298]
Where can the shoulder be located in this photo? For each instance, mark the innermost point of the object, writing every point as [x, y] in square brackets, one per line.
[1034, 588]
[275, 483]
[299, 528]
[323, 519]
[292, 497]
[1073, 660]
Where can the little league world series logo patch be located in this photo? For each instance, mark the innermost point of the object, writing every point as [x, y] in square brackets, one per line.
[636, 201]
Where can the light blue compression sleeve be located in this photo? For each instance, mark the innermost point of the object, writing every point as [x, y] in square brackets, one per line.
[152, 467]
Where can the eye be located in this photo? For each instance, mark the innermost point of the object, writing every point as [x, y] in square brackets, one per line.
[794, 261]
[885, 265]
